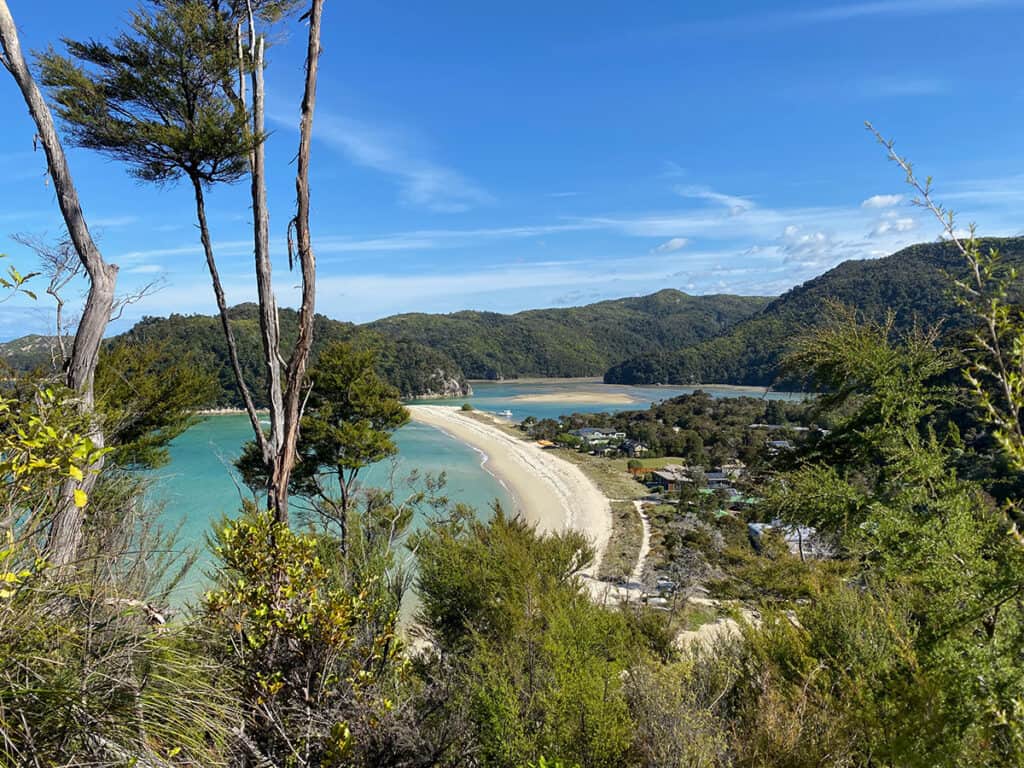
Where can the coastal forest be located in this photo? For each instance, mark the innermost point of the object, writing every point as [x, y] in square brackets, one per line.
[667, 337]
[342, 626]
[434, 355]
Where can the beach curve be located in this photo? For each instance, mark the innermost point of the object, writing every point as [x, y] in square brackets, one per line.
[548, 491]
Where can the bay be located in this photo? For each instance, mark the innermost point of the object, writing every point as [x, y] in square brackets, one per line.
[200, 486]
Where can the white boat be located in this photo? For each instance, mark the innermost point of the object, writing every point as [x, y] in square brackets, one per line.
[506, 413]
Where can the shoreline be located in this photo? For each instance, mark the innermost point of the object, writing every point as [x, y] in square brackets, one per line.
[548, 491]
[753, 389]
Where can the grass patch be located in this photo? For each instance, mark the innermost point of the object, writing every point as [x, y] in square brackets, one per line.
[613, 480]
[624, 543]
[694, 616]
[620, 463]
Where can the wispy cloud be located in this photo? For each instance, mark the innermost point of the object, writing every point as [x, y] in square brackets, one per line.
[736, 205]
[882, 8]
[422, 181]
[882, 201]
[112, 222]
[838, 13]
[670, 246]
[903, 85]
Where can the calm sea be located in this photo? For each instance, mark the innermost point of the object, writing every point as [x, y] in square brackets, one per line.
[199, 486]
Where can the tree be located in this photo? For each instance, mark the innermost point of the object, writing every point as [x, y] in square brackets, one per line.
[163, 98]
[350, 418]
[147, 395]
[66, 532]
[918, 637]
[305, 649]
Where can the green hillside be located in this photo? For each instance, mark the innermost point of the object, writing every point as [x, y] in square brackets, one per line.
[578, 341]
[29, 351]
[414, 368]
[913, 283]
[432, 355]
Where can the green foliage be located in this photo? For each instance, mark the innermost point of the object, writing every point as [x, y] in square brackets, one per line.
[147, 396]
[579, 341]
[14, 282]
[911, 656]
[475, 577]
[87, 676]
[350, 417]
[43, 444]
[412, 368]
[696, 428]
[158, 96]
[538, 666]
[89, 672]
[303, 650]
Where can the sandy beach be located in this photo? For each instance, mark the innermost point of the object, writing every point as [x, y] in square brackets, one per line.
[593, 398]
[547, 490]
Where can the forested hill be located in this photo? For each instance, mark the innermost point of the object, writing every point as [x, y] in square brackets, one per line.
[431, 355]
[578, 341]
[414, 368]
[913, 283]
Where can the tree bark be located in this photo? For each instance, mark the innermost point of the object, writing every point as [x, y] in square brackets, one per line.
[66, 532]
[296, 371]
[222, 309]
[269, 328]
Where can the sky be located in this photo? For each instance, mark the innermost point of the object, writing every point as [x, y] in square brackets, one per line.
[502, 157]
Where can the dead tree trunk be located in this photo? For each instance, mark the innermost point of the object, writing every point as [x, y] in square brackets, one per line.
[269, 327]
[66, 533]
[296, 372]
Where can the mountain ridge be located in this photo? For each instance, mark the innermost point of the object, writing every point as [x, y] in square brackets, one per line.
[428, 356]
[911, 282]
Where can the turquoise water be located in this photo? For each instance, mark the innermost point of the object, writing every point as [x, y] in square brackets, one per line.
[500, 396]
[200, 486]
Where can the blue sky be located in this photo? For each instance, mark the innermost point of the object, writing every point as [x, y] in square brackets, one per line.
[508, 156]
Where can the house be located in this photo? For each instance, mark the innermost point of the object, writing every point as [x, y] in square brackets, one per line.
[775, 446]
[717, 480]
[670, 478]
[803, 541]
[596, 436]
[633, 448]
[777, 427]
[734, 469]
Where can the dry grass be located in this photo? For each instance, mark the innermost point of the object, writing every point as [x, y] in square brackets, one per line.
[618, 485]
[609, 475]
[623, 544]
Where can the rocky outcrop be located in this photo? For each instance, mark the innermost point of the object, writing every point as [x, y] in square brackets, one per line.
[443, 385]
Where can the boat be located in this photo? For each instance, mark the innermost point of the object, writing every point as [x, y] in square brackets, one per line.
[506, 413]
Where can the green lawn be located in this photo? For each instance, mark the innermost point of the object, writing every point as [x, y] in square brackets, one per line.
[648, 463]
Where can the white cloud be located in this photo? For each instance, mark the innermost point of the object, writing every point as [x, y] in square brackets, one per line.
[736, 205]
[882, 201]
[146, 269]
[808, 248]
[675, 244]
[422, 181]
[888, 225]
